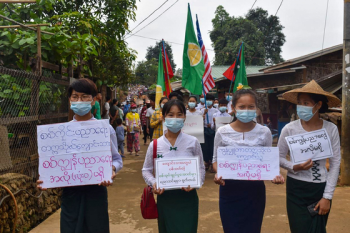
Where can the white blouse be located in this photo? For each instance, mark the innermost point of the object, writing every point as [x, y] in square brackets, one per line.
[260, 136]
[197, 112]
[318, 173]
[186, 146]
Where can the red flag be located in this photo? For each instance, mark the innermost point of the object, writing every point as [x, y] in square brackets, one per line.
[229, 72]
[168, 72]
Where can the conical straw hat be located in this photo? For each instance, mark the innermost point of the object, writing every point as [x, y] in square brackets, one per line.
[313, 88]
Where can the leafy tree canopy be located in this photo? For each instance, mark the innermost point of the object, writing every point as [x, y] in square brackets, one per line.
[87, 34]
[261, 33]
[153, 52]
[146, 72]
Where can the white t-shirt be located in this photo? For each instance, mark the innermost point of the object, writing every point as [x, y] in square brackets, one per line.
[197, 112]
[150, 112]
[107, 107]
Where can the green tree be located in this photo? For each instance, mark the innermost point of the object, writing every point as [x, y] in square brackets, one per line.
[146, 72]
[261, 33]
[153, 53]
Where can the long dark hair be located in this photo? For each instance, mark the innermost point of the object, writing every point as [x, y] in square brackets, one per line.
[239, 94]
[161, 100]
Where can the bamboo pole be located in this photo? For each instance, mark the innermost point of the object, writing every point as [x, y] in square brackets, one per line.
[27, 25]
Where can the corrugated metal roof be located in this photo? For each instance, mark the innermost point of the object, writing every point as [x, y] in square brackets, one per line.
[217, 71]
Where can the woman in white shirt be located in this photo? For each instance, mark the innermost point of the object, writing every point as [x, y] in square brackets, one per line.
[192, 103]
[309, 183]
[242, 202]
[177, 209]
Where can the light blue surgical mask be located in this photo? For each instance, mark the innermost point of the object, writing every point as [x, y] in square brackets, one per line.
[223, 109]
[209, 102]
[174, 124]
[202, 100]
[245, 116]
[161, 105]
[133, 110]
[216, 105]
[81, 108]
[305, 112]
[229, 98]
[192, 105]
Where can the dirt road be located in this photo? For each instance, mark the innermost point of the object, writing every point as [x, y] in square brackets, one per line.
[124, 206]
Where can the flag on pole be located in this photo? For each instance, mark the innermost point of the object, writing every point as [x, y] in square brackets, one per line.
[208, 81]
[193, 65]
[240, 72]
[165, 73]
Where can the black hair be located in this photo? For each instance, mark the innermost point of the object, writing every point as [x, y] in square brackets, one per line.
[161, 99]
[152, 97]
[115, 101]
[119, 105]
[317, 98]
[223, 101]
[168, 105]
[193, 96]
[83, 85]
[108, 98]
[172, 94]
[119, 121]
[210, 97]
[238, 94]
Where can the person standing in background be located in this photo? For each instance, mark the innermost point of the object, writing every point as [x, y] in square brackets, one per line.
[126, 108]
[121, 113]
[192, 103]
[259, 117]
[132, 121]
[120, 136]
[144, 124]
[149, 114]
[105, 112]
[228, 97]
[114, 113]
[96, 109]
[202, 103]
[216, 103]
[157, 119]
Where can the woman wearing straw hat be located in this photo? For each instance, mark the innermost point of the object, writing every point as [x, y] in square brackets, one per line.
[309, 183]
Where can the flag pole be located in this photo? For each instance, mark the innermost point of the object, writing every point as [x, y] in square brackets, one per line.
[239, 51]
[166, 66]
[205, 98]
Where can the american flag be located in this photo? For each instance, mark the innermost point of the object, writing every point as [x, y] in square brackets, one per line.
[208, 81]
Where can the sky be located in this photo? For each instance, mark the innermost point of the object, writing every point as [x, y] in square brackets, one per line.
[303, 22]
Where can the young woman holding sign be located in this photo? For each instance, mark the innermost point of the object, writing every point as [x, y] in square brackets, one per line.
[177, 209]
[85, 208]
[242, 202]
[309, 185]
[192, 103]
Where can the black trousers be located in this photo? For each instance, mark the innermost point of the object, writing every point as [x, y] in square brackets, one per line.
[145, 134]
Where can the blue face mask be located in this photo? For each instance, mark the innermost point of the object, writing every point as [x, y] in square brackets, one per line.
[305, 113]
[174, 124]
[216, 105]
[191, 105]
[245, 116]
[209, 102]
[81, 108]
[133, 110]
[202, 100]
[229, 98]
[223, 109]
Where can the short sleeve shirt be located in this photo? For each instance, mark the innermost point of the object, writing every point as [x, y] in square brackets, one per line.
[98, 112]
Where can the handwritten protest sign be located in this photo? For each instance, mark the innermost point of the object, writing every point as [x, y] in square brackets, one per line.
[313, 145]
[221, 121]
[193, 126]
[177, 173]
[248, 163]
[74, 153]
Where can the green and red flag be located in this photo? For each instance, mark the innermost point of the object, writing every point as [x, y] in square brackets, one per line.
[193, 65]
[165, 73]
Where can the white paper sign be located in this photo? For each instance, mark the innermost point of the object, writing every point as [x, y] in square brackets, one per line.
[193, 126]
[74, 153]
[221, 121]
[314, 145]
[248, 163]
[178, 173]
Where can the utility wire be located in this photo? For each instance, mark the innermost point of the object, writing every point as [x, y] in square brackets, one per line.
[154, 19]
[253, 4]
[325, 24]
[149, 16]
[279, 7]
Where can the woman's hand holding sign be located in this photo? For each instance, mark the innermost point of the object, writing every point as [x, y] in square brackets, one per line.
[304, 166]
[219, 180]
[278, 180]
[157, 191]
[188, 189]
